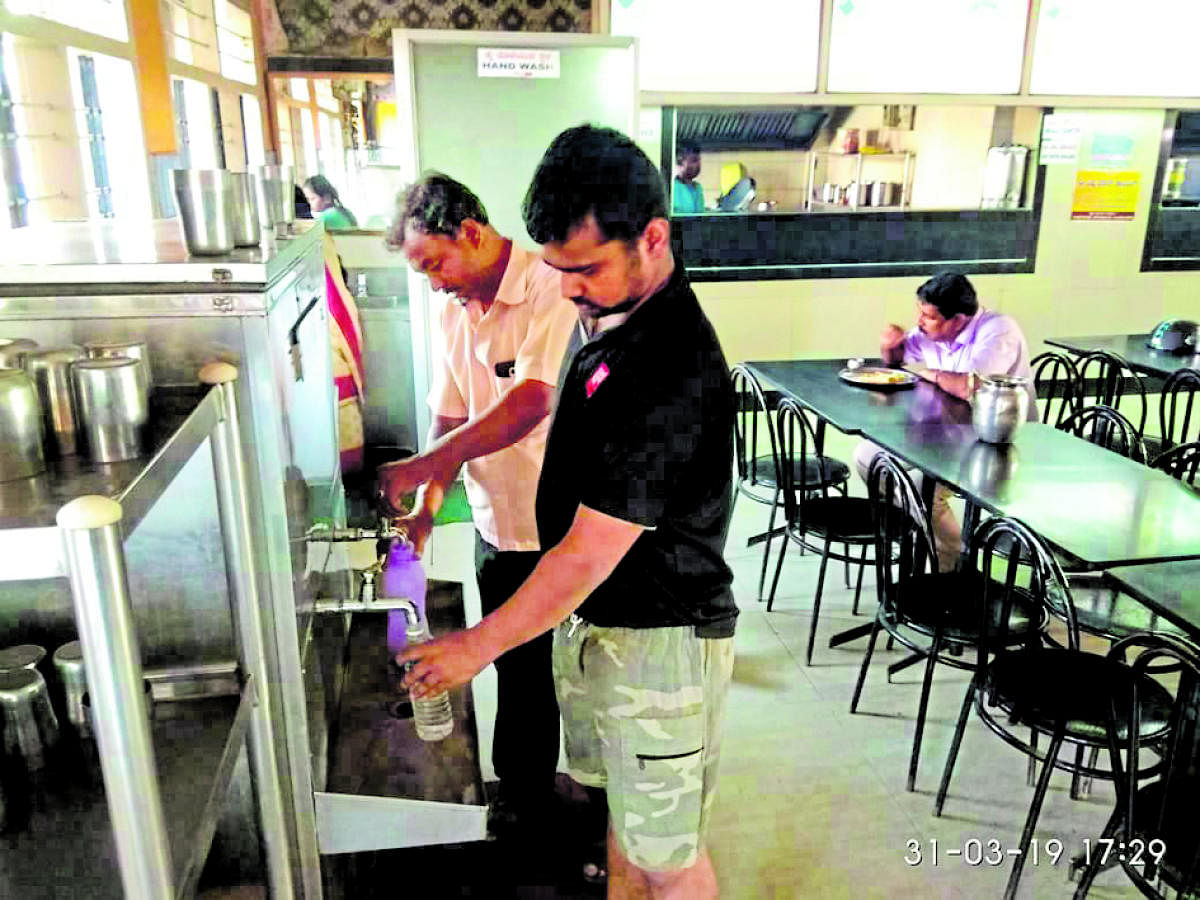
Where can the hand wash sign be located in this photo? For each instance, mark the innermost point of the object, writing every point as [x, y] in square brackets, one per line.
[511, 62]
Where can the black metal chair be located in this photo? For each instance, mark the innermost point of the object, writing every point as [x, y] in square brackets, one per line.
[1105, 379]
[1057, 381]
[1153, 833]
[1102, 607]
[1181, 462]
[1107, 428]
[942, 609]
[1180, 395]
[816, 520]
[756, 472]
[1058, 692]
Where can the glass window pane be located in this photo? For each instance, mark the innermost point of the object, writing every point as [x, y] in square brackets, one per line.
[103, 17]
[235, 43]
[252, 125]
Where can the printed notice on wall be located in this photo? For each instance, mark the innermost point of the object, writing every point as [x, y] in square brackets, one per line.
[1060, 139]
[1104, 194]
[511, 62]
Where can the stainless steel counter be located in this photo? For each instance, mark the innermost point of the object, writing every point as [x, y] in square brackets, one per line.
[133, 253]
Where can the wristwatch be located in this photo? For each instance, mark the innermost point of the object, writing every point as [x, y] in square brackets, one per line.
[972, 381]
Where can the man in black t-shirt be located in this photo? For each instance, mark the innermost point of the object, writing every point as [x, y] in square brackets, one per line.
[633, 503]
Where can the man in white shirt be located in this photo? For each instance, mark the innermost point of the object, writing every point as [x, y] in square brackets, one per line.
[504, 340]
[954, 339]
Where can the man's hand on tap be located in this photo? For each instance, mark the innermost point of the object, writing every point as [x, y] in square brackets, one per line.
[418, 524]
[400, 478]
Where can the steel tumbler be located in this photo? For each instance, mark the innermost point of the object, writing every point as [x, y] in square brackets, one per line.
[276, 194]
[206, 208]
[246, 229]
[20, 427]
[113, 407]
[50, 371]
[68, 662]
[115, 349]
[30, 726]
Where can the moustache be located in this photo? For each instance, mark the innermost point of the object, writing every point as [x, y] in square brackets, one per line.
[599, 312]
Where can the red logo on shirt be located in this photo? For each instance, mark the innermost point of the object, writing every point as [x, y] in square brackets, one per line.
[597, 378]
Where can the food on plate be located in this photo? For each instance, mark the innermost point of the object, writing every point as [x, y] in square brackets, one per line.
[880, 376]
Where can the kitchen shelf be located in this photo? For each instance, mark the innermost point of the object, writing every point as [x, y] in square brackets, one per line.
[861, 161]
[180, 420]
[64, 845]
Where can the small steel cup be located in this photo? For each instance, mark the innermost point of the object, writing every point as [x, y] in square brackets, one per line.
[276, 192]
[30, 726]
[129, 349]
[13, 352]
[246, 229]
[113, 407]
[205, 200]
[68, 662]
[50, 371]
[21, 452]
[21, 656]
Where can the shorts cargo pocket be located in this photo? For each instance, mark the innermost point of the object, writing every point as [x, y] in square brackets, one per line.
[657, 811]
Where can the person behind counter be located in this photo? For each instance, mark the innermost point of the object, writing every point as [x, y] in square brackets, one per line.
[504, 340]
[323, 200]
[954, 339]
[687, 196]
[633, 506]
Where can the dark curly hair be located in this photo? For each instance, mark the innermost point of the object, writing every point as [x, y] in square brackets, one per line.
[595, 171]
[434, 204]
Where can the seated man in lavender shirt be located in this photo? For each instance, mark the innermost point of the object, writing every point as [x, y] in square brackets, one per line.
[954, 339]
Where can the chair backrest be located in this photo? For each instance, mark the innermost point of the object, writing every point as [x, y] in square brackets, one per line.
[797, 439]
[1107, 428]
[1182, 461]
[1007, 546]
[1162, 815]
[1057, 380]
[904, 545]
[1180, 394]
[750, 413]
[1111, 380]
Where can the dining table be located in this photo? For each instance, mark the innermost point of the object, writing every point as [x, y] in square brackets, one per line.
[1101, 508]
[1170, 589]
[1132, 348]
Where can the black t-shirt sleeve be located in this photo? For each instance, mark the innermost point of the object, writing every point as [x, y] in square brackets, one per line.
[644, 441]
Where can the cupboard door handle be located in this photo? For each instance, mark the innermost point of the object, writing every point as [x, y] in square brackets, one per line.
[294, 339]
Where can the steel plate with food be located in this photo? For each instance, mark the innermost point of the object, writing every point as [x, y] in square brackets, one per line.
[878, 378]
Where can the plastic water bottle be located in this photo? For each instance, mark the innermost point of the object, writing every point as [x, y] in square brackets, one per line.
[403, 576]
[432, 715]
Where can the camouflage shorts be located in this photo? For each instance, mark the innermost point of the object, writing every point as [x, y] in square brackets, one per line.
[642, 711]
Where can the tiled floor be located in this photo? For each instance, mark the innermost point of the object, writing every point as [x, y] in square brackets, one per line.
[812, 800]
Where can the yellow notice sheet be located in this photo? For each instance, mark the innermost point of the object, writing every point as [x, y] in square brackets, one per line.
[1105, 194]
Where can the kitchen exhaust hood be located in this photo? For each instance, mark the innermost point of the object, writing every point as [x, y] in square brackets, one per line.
[762, 128]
